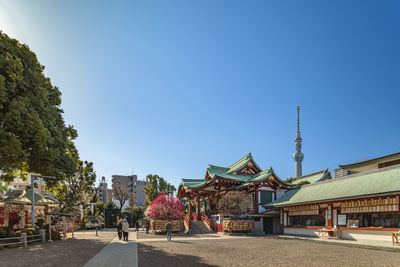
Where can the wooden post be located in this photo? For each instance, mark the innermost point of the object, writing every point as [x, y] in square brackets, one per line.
[282, 231]
[330, 218]
[50, 229]
[256, 200]
[73, 226]
[64, 227]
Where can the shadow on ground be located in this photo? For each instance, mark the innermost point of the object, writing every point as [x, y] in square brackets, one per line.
[150, 256]
[70, 252]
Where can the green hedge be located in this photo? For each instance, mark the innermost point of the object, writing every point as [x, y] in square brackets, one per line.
[3, 232]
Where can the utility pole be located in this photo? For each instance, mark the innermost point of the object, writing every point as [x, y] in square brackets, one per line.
[33, 177]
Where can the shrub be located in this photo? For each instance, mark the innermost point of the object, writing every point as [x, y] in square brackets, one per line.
[3, 232]
[18, 233]
[40, 222]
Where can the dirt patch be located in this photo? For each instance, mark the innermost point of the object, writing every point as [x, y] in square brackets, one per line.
[70, 252]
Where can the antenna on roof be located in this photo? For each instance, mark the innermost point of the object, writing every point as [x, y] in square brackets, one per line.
[298, 118]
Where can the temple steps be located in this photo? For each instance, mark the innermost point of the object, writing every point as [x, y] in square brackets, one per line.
[199, 227]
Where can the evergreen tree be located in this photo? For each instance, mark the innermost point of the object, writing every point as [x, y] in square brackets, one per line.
[33, 134]
[155, 186]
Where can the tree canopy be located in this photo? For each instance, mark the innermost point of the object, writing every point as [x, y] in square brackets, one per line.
[77, 189]
[33, 135]
[165, 206]
[155, 186]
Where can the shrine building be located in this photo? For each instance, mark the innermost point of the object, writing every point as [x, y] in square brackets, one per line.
[260, 186]
[361, 203]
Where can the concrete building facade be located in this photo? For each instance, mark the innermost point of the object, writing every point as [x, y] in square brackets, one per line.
[102, 190]
[134, 188]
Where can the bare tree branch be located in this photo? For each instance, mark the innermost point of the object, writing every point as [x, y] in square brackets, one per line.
[121, 194]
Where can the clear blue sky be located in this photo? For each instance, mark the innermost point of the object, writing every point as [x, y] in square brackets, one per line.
[168, 87]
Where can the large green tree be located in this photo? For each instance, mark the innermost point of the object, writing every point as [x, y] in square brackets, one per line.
[155, 186]
[77, 189]
[33, 135]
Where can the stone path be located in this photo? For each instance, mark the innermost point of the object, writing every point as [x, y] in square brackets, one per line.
[117, 253]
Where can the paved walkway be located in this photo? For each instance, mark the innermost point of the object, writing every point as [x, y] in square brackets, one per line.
[117, 253]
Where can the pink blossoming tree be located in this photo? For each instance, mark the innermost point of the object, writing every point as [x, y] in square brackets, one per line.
[165, 206]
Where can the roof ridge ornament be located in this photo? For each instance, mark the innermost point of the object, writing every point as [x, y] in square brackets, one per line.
[298, 118]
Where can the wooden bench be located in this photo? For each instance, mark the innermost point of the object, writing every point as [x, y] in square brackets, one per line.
[325, 232]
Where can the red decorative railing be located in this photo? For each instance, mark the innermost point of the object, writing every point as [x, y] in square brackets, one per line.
[206, 220]
[186, 221]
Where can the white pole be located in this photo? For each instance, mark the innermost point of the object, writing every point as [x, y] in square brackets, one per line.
[50, 230]
[33, 199]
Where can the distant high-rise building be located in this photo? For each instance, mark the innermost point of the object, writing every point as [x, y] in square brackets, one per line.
[109, 195]
[133, 186]
[102, 192]
[298, 156]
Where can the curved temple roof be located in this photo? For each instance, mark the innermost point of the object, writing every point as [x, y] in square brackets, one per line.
[230, 173]
[25, 196]
[313, 177]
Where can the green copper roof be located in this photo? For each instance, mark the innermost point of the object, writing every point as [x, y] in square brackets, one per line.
[228, 173]
[193, 183]
[25, 196]
[262, 175]
[381, 181]
[241, 163]
[313, 177]
[217, 172]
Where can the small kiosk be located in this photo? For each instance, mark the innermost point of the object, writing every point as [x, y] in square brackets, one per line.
[61, 224]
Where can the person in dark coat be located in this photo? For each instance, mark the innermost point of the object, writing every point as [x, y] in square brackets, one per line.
[137, 226]
[119, 229]
[168, 227]
[147, 224]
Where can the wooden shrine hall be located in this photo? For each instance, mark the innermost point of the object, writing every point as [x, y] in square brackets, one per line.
[245, 175]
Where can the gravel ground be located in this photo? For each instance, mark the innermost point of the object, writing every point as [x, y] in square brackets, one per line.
[143, 235]
[262, 252]
[70, 252]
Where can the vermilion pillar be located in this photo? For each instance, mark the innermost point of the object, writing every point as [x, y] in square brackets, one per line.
[190, 210]
[198, 207]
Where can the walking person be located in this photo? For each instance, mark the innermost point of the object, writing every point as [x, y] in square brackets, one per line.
[125, 229]
[119, 229]
[137, 226]
[168, 227]
[147, 225]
